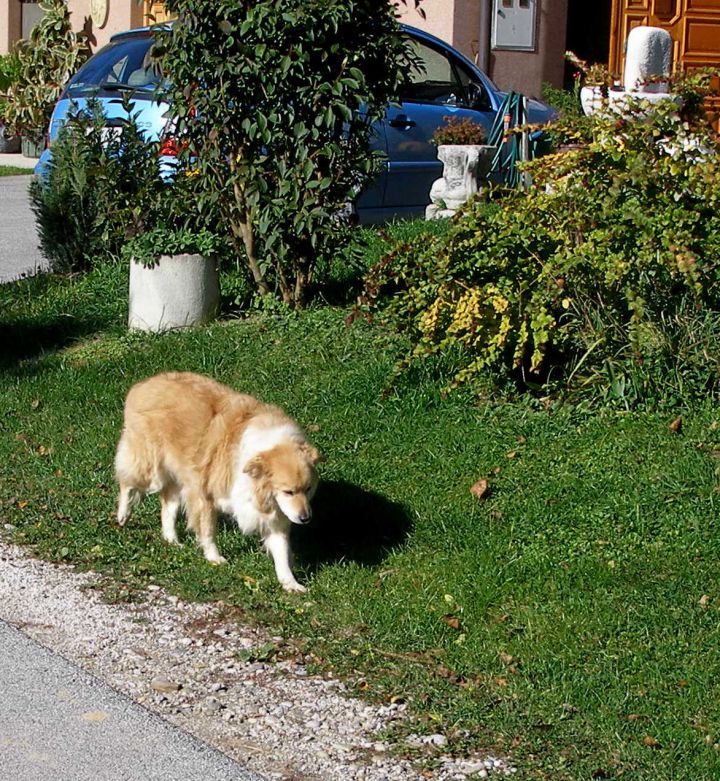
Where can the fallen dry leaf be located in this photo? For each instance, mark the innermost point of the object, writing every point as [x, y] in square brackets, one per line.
[704, 600]
[452, 621]
[479, 489]
[676, 425]
[650, 742]
[506, 658]
[511, 454]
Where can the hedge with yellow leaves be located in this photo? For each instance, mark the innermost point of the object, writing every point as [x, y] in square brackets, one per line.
[608, 264]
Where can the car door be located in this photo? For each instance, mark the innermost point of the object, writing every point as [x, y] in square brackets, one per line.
[369, 206]
[440, 87]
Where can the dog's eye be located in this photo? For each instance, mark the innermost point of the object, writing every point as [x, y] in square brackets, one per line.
[289, 493]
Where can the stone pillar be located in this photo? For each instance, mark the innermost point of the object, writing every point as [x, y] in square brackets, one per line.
[649, 55]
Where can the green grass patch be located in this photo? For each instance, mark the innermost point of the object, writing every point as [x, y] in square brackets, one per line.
[568, 618]
[12, 170]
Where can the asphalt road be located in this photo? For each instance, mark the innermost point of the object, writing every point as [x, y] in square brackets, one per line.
[19, 253]
[59, 724]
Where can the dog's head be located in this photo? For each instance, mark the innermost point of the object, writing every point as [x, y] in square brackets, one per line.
[286, 474]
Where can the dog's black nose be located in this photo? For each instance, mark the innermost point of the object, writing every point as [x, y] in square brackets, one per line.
[305, 517]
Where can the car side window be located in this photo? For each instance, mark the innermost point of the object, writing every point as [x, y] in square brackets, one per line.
[439, 79]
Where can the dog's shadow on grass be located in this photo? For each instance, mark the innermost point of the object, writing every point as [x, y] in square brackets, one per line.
[350, 524]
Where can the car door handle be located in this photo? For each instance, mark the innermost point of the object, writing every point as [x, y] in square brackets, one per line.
[402, 120]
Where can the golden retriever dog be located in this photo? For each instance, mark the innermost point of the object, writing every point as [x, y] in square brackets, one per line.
[203, 446]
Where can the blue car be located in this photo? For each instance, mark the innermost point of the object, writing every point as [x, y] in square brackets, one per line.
[447, 84]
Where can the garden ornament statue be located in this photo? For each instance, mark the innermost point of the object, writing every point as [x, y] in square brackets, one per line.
[458, 182]
[466, 158]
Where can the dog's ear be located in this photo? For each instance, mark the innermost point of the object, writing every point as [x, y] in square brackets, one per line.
[310, 453]
[255, 467]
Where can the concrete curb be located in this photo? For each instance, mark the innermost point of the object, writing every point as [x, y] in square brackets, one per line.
[18, 161]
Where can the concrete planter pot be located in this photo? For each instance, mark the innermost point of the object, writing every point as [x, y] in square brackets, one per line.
[8, 144]
[179, 291]
[465, 169]
[31, 147]
[592, 99]
[641, 103]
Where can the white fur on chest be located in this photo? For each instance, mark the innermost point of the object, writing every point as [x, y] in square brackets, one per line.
[240, 503]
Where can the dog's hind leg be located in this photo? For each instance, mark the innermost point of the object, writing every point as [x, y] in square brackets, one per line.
[129, 496]
[131, 478]
[277, 545]
[169, 507]
[202, 519]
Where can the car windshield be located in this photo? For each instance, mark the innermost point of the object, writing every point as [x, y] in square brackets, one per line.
[124, 64]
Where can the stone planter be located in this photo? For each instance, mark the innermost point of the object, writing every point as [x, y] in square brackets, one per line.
[8, 144]
[177, 292]
[592, 100]
[639, 102]
[31, 147]
[464, 169]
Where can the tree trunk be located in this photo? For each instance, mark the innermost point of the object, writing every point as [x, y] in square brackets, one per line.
[241, 223]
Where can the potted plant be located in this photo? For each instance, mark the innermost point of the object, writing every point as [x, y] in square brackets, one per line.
[46, 61]
[173, 277]
[595, 81]
[466, 160]
[9, 74]
[171, 251]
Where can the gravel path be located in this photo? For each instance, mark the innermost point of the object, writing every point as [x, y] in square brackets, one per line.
[184, 662]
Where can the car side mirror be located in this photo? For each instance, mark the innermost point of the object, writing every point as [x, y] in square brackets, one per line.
[478, 97]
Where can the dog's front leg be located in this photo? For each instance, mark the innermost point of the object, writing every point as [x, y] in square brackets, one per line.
[201, 518]
[278, 546]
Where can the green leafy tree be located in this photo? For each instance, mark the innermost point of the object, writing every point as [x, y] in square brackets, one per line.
[274, 102]
[47, 60]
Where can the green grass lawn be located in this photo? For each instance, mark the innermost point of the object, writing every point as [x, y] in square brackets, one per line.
[570, 618]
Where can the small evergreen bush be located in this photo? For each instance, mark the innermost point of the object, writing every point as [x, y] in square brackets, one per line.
[101, 189]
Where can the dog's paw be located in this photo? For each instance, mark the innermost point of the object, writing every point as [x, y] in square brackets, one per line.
[294, 586]
[217, 561]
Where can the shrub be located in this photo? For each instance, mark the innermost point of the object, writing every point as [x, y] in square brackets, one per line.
[565, 102]
[605, 270]
[9, 74]
[47, 60]
[100, 190]
[459, 131]
[275, 99]
[148, 247]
